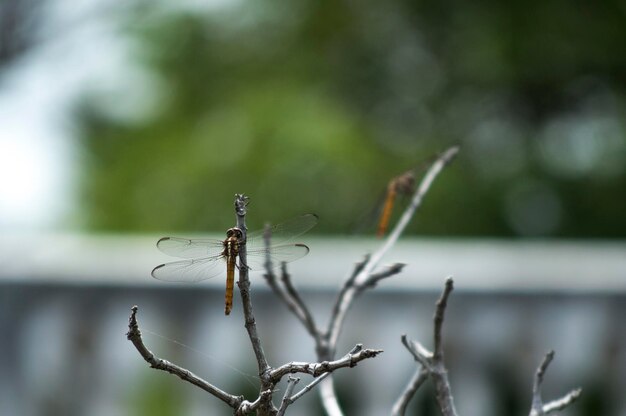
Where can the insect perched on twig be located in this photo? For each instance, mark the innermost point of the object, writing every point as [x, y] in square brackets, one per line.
[204, 255]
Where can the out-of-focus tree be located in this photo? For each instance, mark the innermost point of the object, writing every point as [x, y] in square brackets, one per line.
[19, 20]
[329, 100]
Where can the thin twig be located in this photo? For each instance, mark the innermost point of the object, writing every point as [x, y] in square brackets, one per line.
[241, 202]
[390, 271]
[329, 397]
[308, 387]
[327, 345]
[344, 303]
[272, 281]
[134, 335]
[307, 317]
[263, 405]
[399, 407]
[291, 384]
[538, 408]
[361, 278]
[440, 311]
[287, 292]
[563, 402]
[418, 351]
[351, 359]
[433, 363]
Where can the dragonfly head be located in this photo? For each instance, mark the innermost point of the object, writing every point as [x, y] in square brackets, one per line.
[234, 232]
[405, 183]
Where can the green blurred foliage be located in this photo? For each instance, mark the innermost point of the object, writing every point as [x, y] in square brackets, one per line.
[315, 106]
[156, 396]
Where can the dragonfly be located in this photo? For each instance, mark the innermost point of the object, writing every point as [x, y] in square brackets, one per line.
[402, 185]
[205, 258]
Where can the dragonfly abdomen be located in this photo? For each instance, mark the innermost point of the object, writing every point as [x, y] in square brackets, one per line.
[231, 251]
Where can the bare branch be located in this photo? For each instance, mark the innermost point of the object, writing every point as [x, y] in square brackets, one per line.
[538, 408]
[373, 280]
[291, 384]
[418, 351]
[344, 301]
[288, 293]
[439, 315]
[308, 387]
[433, 363]
[134, 335]
[363, 271]
[539, 377]
[247, 407]
[358, 268]
[329, 397]
[241, 202]
[307, 317]
[563, 402]
[316, 369]
[399, 407]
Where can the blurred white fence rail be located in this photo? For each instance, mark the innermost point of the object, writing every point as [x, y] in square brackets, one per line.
[478, 265]
[65, 301]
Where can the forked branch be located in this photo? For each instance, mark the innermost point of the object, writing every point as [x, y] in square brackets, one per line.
[365, 277]
[432, 365]
[432, 362]
[351, 359]
[538, 408]
[362, 277]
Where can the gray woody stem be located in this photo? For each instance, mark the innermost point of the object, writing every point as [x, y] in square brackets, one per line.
[291, 384]
[363, 277]
[241, 201]
[538, 408]
[432, 363]
[399, 407]
[317, 369]
[269, 377]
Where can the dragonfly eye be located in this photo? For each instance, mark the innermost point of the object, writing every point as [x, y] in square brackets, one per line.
[234, 232]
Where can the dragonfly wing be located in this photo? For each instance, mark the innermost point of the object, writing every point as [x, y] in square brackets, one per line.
[257, 258]
[283, 233]
[190, 271]
[190, 249]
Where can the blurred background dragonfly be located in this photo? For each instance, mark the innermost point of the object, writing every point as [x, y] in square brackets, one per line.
[398, 190]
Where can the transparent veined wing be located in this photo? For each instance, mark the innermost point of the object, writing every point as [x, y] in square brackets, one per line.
[257, 257]
[283, 233]
[191, 271]
[205, 255]
[190, 249]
